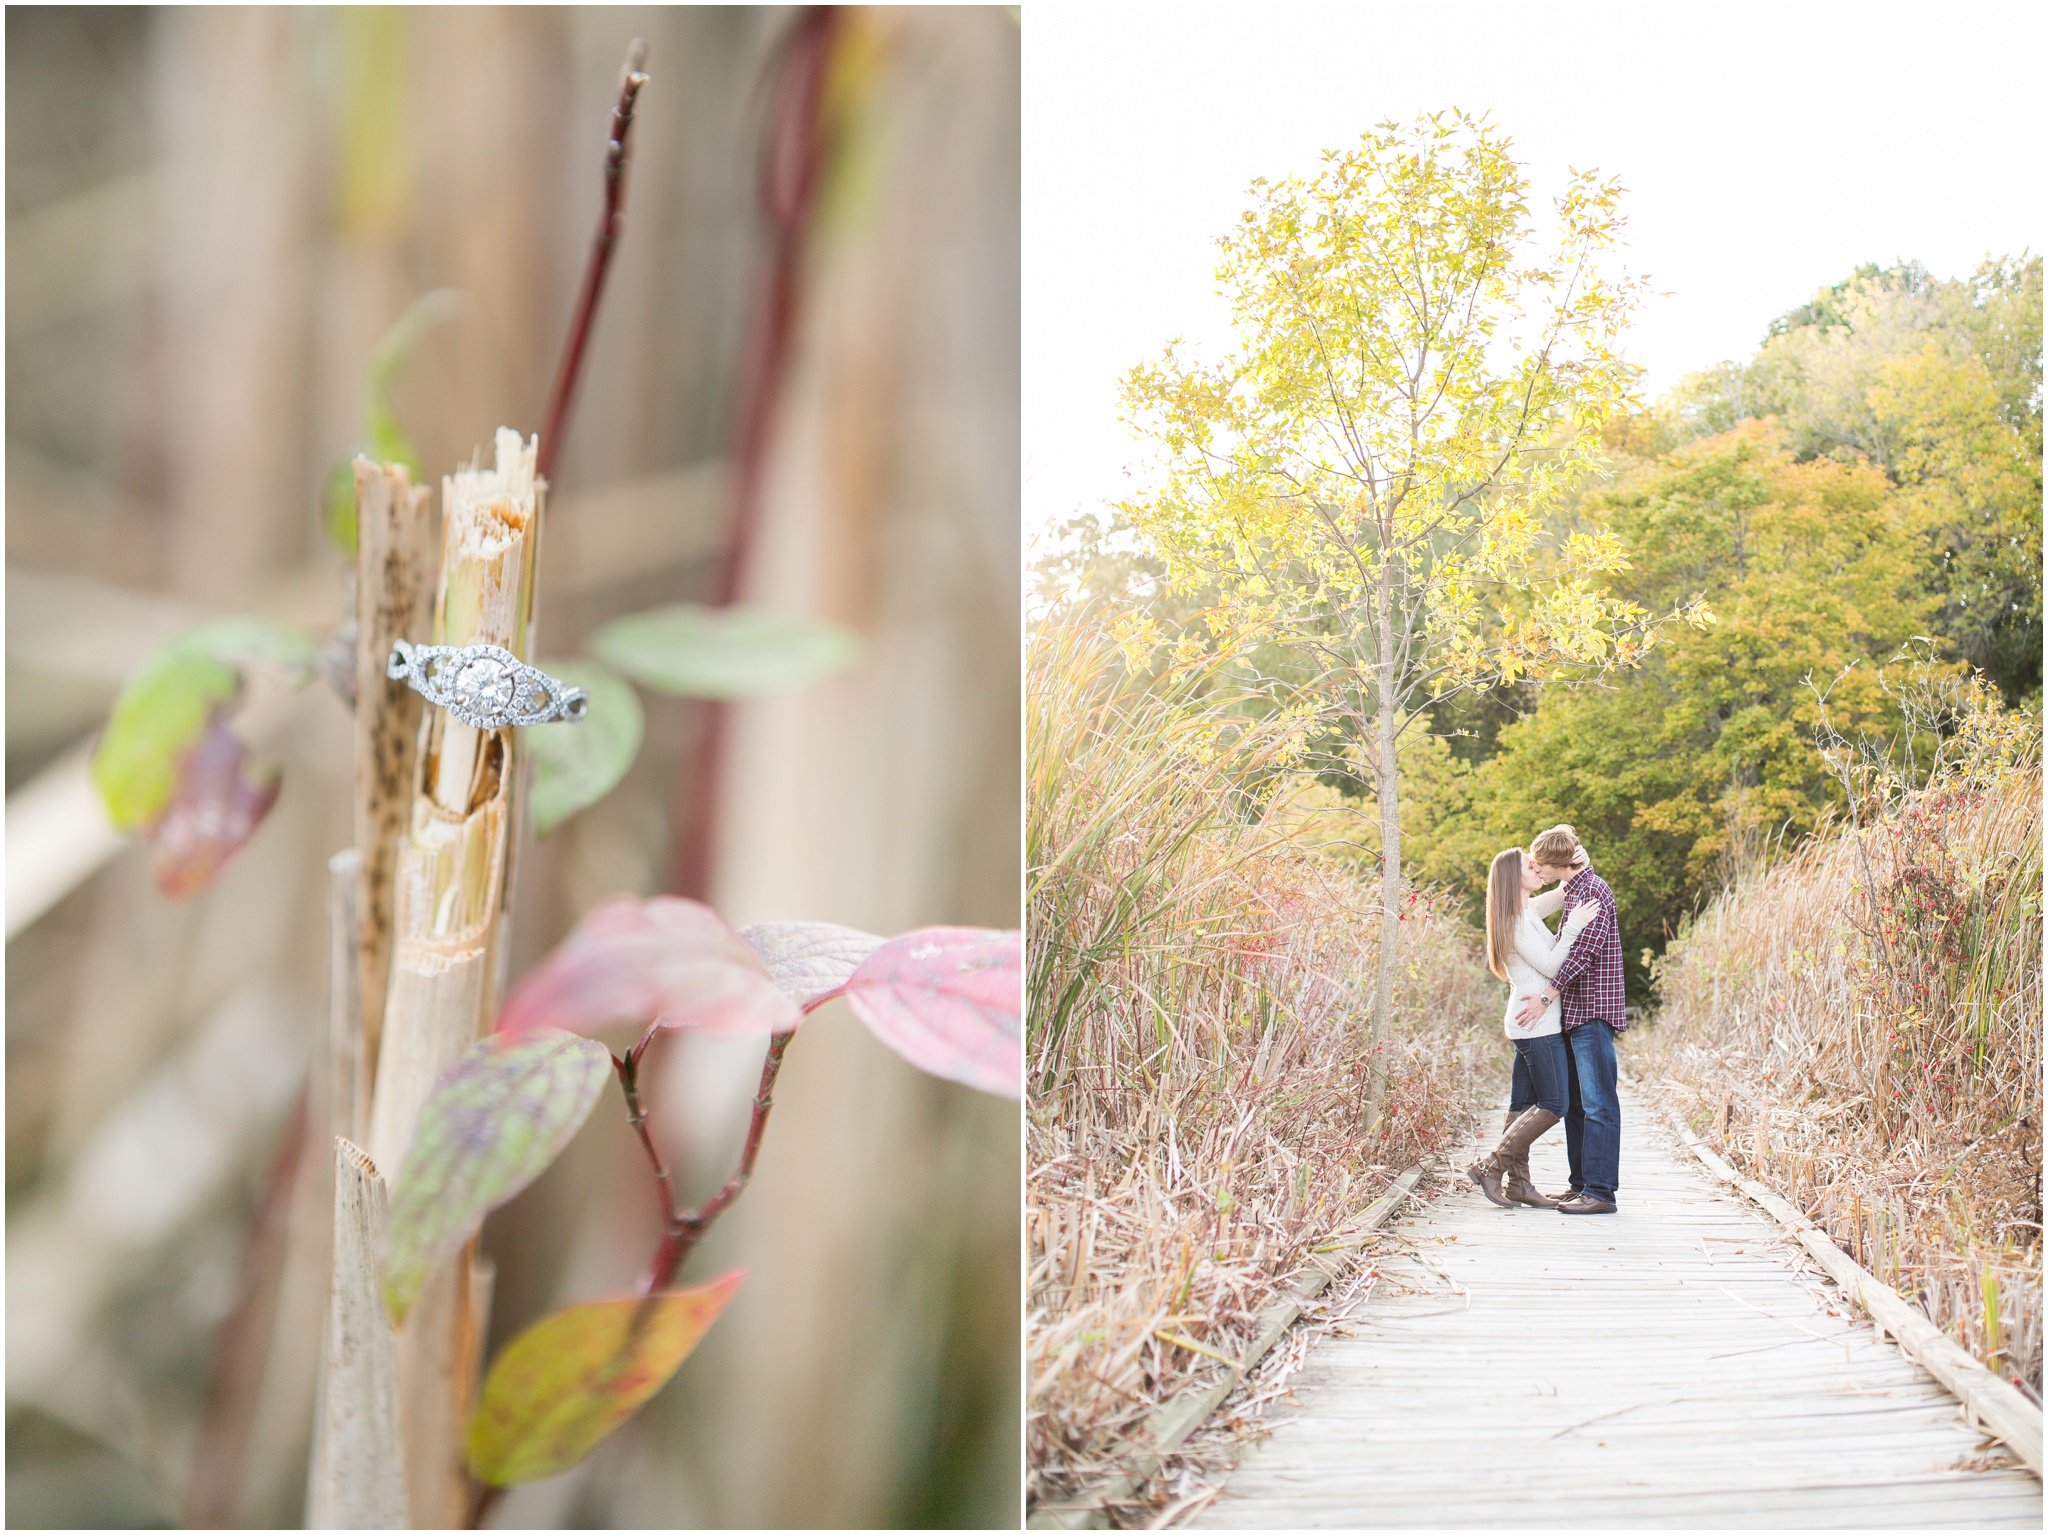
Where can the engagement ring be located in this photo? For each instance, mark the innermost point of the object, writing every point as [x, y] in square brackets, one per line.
[485, 686]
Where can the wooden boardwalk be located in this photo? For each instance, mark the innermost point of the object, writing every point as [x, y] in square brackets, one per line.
[1670, 1366]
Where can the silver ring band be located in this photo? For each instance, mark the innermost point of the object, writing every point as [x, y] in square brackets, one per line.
[485, 686]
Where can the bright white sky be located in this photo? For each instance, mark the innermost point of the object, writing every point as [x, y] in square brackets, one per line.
[1768, 151]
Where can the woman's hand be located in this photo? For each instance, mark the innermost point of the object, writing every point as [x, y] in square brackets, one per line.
[1586, 909]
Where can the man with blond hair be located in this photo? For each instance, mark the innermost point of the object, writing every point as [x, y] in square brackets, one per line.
[1589, 983]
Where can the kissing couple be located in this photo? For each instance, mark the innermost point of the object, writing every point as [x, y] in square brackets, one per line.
[1565, 1005]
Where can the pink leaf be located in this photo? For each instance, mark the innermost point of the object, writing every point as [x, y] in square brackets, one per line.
[949, 1000]
[809, 959]
[215, 808]
[662, 960]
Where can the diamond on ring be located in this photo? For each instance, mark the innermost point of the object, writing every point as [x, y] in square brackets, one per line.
[485, 686]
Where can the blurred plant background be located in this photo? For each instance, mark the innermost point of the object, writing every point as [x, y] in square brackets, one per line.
[212, 216]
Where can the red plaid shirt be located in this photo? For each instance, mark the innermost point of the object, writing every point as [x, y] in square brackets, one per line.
[1589, 982]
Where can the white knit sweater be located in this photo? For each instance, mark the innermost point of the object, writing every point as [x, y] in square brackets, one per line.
[1533, 961]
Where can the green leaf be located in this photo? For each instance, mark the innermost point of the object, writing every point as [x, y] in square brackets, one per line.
[165, 708]
[566, 1382]
[492, 1124]
[692, 651]
[338, 514]
[383, 436]
[575, 766]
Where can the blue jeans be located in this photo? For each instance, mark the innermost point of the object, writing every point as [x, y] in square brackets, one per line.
[1542, 1075]
[1592, 1125]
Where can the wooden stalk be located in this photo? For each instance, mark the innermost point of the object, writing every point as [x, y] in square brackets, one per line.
[394, 582]
[451, 872]
[345, 1018]
[344, 1055]
[359, 1468]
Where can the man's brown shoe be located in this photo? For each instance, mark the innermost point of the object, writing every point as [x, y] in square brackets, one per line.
[1584, 1204]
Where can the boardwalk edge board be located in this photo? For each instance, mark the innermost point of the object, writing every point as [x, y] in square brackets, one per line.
[1990, 1402]
[1181, 1416]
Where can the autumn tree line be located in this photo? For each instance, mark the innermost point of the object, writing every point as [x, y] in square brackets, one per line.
[1862, 494]
[1868, 483]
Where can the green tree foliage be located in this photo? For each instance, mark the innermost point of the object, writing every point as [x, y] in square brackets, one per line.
[1938, 384]
[1870, 476]
[1671, 772]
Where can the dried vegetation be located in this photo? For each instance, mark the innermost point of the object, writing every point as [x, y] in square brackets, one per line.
[1860, 1026]
[1199, 1038]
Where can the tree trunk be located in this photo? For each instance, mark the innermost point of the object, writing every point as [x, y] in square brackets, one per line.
[1385, 776]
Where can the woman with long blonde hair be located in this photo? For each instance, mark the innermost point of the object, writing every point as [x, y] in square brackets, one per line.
[1520, 950]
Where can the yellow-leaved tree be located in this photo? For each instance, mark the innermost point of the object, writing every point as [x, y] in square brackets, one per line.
[1374, 475]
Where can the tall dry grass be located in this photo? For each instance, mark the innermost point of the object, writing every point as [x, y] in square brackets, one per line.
[1860, 1027]
[1199, 1035]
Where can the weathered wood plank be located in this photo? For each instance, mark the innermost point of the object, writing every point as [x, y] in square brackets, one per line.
[1670, 1365]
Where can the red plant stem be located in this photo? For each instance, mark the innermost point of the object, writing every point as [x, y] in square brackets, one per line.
[684, 1229]
[628, 1070]
[484, 1503]
[609, 226]
[792, 162]
[792, 159]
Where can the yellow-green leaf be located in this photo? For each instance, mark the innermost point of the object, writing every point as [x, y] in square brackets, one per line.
[566, 1382]
[383, 437]
[165, 708]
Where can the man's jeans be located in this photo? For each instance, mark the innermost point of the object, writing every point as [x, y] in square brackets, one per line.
[1592, 1125]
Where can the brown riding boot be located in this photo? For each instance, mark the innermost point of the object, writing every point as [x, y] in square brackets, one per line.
[1516, 1182]
[1521, 1188]
[1475, 1171]
[1514, 1145]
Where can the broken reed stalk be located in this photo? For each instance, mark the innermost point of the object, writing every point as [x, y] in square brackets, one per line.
[344, 1056]
[346, 1089]
[359, 1464]
[394, 585]
[439, 808]
[450, 884]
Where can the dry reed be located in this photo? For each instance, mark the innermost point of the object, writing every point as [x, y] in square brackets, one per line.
[1199, 1037]
[1860, 1027]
